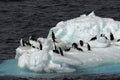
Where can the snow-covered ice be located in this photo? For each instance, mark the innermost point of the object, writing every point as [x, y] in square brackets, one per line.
[103, 51]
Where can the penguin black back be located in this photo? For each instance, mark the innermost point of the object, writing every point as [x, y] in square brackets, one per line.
[111, 37]
[56, 51]
[53, 36]
[93, 38]
[67, 49]
[80, 49]
[118, 40]
[81, 42]
[74, 45]
[88, 46]
[33, 46]
[27, 43]
[61, 51]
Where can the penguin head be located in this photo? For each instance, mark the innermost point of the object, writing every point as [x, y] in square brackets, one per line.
[74, 45]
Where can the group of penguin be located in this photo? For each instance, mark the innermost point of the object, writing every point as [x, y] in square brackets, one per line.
[81, 42]
[74, 45]
[32, 42]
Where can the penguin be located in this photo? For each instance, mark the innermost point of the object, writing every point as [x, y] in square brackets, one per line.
[106, 38]
[33, 46]
[93, 38]
[118, 40]
[27, 43]
[81, 43]
[40, 45]
[111, 36]
[88, 47]
[34, 42]
[56, 51]
[68, 49]
[61, 51]
[74, 45]
[103, 35]
[22, 43]
[53, 36]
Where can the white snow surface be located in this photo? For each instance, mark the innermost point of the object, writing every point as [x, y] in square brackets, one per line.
[85, 27]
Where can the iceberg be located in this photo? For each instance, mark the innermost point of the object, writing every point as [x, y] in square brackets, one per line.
[103, 50]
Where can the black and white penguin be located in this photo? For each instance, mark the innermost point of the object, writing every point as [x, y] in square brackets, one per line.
[22, 43]
[34, 42]
[56, 50]
[68, 49]
[103, 35]
[118, 40]
[93, 38]
[111, 36]
[74, 45]
[27, 43]
[53, 37]
[61, 51]
[88, 47]
[40, 47]
[81, 43]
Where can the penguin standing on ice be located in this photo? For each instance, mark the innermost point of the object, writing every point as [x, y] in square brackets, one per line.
[40, 47]
[27, 43]
[74, 45]
[53, 38]
[81, 43]
[111, 36]
[22, 43]
[88, 47]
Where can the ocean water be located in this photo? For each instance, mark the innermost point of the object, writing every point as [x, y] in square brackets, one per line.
[10, 68]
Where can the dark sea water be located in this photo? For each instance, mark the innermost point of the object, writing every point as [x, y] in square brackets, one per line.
[22, 18]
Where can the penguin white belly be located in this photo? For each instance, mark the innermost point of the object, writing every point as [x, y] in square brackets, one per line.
[35, 43]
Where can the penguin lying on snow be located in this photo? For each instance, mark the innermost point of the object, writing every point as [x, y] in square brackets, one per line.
[60, 51]
[74, 46]
[93, 38]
